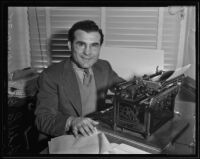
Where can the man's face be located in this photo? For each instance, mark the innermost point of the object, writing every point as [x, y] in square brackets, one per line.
[85, 48]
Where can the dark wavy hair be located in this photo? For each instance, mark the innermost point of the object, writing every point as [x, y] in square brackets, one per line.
[87, 26]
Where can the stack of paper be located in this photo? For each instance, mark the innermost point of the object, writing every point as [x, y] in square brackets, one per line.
[94, 144]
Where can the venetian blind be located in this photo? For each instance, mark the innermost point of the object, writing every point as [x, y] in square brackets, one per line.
[38, 38]
[135, 27]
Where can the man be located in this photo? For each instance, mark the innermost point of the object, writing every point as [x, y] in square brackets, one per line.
[75, 87]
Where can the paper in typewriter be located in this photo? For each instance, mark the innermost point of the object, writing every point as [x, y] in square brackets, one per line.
[94, 144]
[179, 71]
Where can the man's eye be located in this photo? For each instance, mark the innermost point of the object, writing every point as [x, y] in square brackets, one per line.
[80, 44]
[95, 45]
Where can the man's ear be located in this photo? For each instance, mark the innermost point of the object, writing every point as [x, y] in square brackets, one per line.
[69, 45]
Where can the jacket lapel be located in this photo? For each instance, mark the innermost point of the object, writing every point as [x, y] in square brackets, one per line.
[100, 80]
[71, 88]
[97, 76]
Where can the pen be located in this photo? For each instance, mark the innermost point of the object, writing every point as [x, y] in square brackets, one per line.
[103, 111]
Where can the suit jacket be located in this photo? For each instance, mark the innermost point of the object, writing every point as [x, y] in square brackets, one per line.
[59, 96]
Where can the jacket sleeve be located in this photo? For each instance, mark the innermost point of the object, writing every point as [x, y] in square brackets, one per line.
[48, 119]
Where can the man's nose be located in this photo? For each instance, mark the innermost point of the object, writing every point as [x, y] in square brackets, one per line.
[87, 50]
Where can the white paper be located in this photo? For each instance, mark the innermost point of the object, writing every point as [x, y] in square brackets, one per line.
[179, 71]
[68, 144]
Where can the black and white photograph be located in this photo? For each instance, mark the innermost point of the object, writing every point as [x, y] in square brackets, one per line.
[101, 80]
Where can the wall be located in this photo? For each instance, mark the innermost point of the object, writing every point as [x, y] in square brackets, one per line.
[190, 48]
[19, 40]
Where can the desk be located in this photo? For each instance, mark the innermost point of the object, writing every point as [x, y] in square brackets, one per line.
[174, 137]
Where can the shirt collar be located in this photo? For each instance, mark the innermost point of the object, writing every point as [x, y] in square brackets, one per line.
[78, 69]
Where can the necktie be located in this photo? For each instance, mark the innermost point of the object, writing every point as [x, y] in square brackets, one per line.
[86, 77]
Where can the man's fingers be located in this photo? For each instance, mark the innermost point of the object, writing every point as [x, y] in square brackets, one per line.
[75, 132]
[88, 126]
[85, 126]
[91, 127]
[87, 129]
[82, 131]
[94, 122]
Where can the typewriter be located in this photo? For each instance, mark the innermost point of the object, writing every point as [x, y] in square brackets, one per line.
[142, 105]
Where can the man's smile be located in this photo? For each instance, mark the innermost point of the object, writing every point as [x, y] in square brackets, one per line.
[86, 58]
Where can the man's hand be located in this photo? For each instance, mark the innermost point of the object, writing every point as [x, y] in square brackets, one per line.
[84, 126]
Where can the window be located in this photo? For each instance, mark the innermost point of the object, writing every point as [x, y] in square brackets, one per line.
[137, 27]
